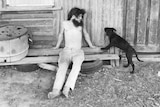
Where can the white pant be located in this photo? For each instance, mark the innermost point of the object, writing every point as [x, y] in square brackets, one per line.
[67, 56]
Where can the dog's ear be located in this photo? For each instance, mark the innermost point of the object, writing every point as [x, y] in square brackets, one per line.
[109, 29]
[113, 29]
[105, 29]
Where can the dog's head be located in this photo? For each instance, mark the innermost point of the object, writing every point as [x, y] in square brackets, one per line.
[109, 31]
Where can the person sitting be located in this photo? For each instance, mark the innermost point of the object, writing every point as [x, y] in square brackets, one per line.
[72, 31]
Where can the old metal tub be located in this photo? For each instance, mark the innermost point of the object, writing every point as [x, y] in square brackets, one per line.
[13, 43]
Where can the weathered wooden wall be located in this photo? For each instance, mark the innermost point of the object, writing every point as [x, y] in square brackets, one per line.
[138, 21]
[142, 24]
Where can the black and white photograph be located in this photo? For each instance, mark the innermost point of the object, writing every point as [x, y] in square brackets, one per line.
[79, 53]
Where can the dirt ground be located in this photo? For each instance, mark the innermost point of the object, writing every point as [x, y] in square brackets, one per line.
[108, 87]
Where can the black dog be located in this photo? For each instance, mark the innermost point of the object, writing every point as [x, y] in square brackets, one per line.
[119, 42]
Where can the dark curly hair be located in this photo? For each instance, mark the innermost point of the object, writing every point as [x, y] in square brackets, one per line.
[76, 12]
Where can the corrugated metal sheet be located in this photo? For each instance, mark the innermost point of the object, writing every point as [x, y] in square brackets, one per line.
[100, 13]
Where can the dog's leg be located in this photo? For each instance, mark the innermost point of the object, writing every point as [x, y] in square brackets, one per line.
[129, 59]
[120, 58]
[107, 47]
[132, 68]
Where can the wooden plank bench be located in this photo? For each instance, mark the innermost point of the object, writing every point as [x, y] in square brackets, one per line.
[36, 56]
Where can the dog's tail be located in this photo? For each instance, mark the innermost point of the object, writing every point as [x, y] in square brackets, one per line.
[137, 56]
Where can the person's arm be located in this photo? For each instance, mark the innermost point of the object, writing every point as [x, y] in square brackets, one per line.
[60, 38]
[87, 38]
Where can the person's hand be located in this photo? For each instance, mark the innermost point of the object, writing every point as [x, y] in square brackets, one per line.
[98, 49]
[55, 47]
[94, 47]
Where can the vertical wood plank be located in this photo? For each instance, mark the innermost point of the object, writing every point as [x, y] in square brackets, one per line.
[125, 2]
[143, 7]
[130, 20]
[4, 5]
[106, 18]
[89, 17]
[1, 5]
[148, 22]
[158, 30]
[136, 22]
[153, 25]
[97, 22]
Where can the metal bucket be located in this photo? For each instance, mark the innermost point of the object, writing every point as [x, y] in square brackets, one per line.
[13, 43]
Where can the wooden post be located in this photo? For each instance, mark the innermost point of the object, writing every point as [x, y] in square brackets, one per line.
[112, 51]
[117, 60]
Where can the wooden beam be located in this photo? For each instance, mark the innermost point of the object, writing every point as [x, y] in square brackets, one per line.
[49, 59]
[28, 8]
[147, 57]
[33, 60]
[31, 19]
[48, 50]
[51, 51]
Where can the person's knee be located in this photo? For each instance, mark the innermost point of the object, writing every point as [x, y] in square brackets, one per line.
[76, 66]
[78, 60]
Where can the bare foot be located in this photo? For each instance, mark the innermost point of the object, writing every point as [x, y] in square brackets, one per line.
[53, 94]
[66, 91]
